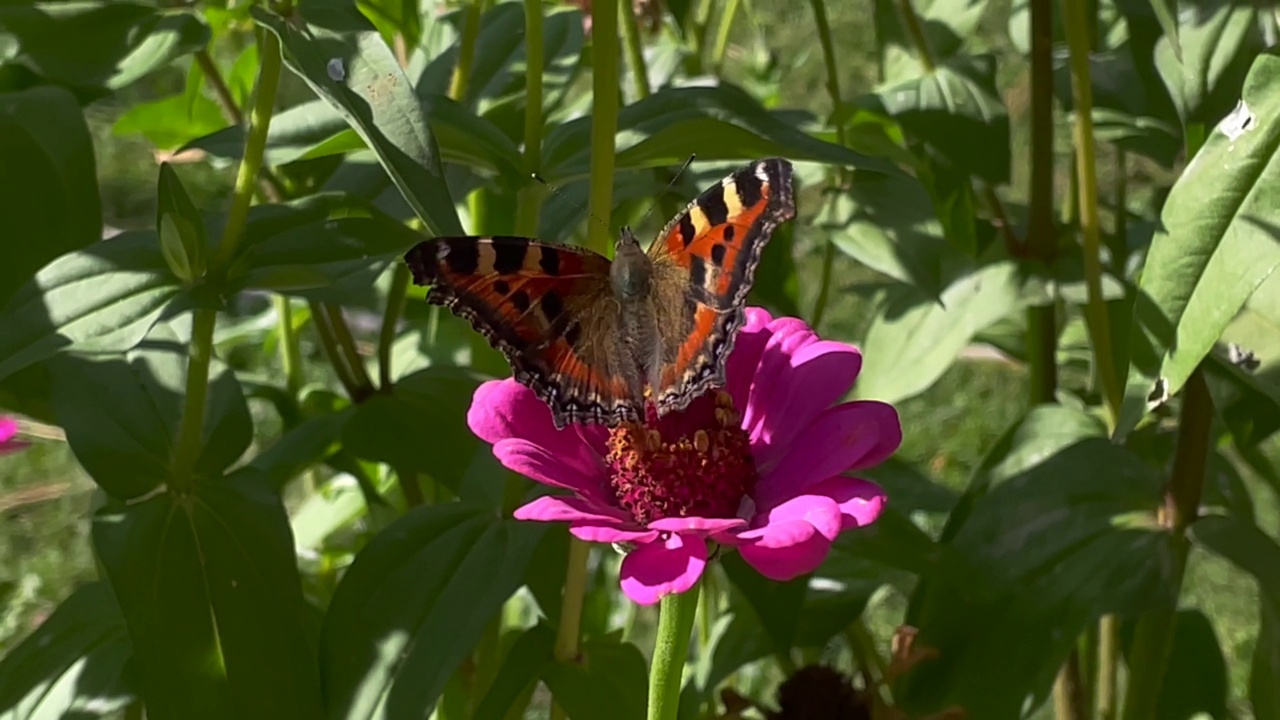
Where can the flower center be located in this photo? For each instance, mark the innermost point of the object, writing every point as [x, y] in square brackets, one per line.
[695, 463]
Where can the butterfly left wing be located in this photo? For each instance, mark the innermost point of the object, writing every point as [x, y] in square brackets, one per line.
[547, 308]
[704, 264]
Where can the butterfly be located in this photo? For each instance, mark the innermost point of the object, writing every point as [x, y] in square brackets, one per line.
[596, 339]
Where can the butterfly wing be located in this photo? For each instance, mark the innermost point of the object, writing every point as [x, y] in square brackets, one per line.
[704, 264]
[546, 307]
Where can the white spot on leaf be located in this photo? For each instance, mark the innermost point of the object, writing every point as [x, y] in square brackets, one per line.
[1237, 122]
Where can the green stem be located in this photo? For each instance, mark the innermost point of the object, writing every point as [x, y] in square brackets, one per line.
[670, 650]
[824, 283]
[911, 23]
[604, 120]
[271, 188]
[466, 50]
[635, 50]
[529, 198]
[347, 344]
[1108, 662]
[1068, 694]
[1120, 235]
[845, 177]
[396, 297]
[727, 15]
[254, 146]
[191, 429]
[290, 350]
[1042, 329]
[1153, 636]
[568, 634]
[1086, 156]
[328, 341]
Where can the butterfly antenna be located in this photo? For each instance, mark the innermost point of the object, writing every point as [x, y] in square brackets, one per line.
[670, 185]
[563, 196]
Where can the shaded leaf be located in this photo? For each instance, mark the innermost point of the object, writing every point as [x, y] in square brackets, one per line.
[529, 657]
[1202, 63]
[607, 682]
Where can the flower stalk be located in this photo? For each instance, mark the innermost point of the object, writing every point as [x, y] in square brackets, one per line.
[671, 648]
[604, 121]
[529, 198]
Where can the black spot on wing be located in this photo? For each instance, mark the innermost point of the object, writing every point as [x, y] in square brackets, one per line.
[729, 232]
[550, 261]
[572, 334]
[460, 255]
[717, 253]
[713, 205]
[750, 188]
[697, 271]
[520, 299]
[687, 231]
[552, 306]
[508, 254]
[501, 287]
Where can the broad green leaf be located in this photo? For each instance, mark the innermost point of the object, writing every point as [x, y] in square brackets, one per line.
[716, 123]
[345, 61]
[414, 604]
[1195, 679]
[1217, 243]
[777, 604]
[498, 71]
[300, 447]
[74, 664]
[607, 683]
[1245, 546]
[104, 298]
[958, 111]
[1264, 692]
[1046, 554]
[737, 638]
[209, 587]
[420, 426]
[913, 340]
[103, 44]
[50, 202]
[529, 657]
[1217, 39]
[169, 122]
[887, 222]
[946, 25]
[121, 414]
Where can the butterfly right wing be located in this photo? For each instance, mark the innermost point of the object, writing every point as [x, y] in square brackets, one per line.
[547, 308]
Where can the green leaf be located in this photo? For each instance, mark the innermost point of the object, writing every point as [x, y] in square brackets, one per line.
[958, 111]
[100, 45]
[912, 340]
[1045, 554]
[104, 298]
[180, 227]
[300, 447]
[1216, 41]
[1264, 692]
[530, 656]
[607, 683]
[429, 406]
[716, 123]
[210, 592]
[1195, 679]
[414, 604]
[1216, 244]
[74, 664]
[737, 638]
[1248, 548]
[50, 203]
[777, 604]
[121, 414]
[169, 122]
[345, 61]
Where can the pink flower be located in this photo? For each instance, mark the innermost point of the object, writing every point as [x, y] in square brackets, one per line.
[758, 466]
[8, 437]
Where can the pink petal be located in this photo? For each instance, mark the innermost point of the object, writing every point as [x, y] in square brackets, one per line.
[818, 374]
[8, 428]
[663, 567]
[607, 534]
[697, 524]
[558, 508]
[846, 437]
[582, 475]
[794, 538]
[740, 368]
[861, 501]
[502, 409]
[787, 335]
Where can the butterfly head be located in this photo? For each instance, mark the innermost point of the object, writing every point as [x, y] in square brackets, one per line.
[631, 269]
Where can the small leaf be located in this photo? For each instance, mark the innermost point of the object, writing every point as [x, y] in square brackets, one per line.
[51, 203]
[414, 604]
[104, 298]
[1216, 244]
[210, 592]
[74, 664]
[912, 340]
[345, 61]
[180, 227]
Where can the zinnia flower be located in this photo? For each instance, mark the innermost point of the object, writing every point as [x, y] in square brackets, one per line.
[758, 465]
[8, 437]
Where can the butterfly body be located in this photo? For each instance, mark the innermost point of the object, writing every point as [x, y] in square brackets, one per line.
[596, 339]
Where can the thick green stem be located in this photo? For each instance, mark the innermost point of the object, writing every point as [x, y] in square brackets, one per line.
[529, 199]
[1108, 663]
[1095, 312]
[290, 350]
[328, 341]
[191, 430]
[1153, 636]
[396, 296]
[845, 177]
[466, 50]
[1068, 693]
[254, 146]
[635, 50]
[675, 622]
[1041, 320]
[604, 120]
